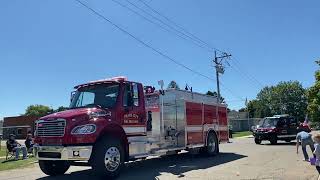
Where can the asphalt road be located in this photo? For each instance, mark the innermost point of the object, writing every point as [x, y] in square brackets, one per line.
[241, 159]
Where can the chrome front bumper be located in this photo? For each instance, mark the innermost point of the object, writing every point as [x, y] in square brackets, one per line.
[75, 153]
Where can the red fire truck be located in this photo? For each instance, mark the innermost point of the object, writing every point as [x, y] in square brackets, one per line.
[113, 121]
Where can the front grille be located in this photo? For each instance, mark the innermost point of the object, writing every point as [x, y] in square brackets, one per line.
[51, 128]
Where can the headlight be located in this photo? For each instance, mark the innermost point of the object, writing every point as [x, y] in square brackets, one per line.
[84, 129]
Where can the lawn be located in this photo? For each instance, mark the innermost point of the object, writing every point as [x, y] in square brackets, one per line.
[11, 164]
[3, 151]
[241, 134]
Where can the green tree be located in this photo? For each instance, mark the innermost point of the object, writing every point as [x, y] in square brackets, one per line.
[257, 109]
[61, 108]
[173, 85]
[284, 98]
[314, 98]
[242, 110]
[215, 94]
[38, 110]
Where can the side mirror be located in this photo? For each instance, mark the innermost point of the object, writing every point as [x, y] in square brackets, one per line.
[73, 93]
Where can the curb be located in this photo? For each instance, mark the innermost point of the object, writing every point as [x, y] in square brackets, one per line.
[250, 136]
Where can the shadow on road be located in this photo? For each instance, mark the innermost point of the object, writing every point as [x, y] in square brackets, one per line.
[150, 168]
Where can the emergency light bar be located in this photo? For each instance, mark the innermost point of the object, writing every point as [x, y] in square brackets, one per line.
[117, 78]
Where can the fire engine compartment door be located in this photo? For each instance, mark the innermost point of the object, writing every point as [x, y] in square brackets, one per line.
[181, 122]
[173, 121]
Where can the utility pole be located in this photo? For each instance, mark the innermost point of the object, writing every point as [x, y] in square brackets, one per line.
[248, 115]
[219, 69]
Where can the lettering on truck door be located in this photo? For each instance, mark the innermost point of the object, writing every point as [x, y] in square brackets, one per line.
[133, 110]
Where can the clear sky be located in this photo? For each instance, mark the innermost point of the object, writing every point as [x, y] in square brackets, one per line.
[47, 47]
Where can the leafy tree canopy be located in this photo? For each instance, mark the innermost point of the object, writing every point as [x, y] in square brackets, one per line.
[314, 98]
[42, 110]
[61, 108]
[215, 94]
[284, 98]
[38, 110]
[242, 110]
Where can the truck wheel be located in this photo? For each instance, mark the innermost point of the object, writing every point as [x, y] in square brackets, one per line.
[108, 158]
[257, 141]
[54, 168]
[212, 147]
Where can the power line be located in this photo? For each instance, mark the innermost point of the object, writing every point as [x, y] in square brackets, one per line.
[193, 40]
[237, 64]
[254, 84]
[152, 22]
[178, 26]
[146, 44]
[231, 92]
[235, 67]
[240, 71]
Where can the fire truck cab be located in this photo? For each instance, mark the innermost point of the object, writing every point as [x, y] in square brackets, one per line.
[113, 121]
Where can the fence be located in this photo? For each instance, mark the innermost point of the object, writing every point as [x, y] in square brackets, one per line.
[243, 124]
[1, 124]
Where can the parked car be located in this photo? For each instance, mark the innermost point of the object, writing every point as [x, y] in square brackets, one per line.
[278, 127]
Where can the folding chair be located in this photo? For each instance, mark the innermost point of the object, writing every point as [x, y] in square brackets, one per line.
[30, 152]
[10, 154]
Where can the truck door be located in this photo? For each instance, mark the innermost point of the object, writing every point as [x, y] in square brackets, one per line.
[282, 127]
[169, 120]
[292, 127]
[133, 109]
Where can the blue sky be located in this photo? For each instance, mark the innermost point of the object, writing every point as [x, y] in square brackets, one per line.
[47, 47]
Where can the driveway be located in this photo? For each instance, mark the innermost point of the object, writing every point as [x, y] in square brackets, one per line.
[241, 159]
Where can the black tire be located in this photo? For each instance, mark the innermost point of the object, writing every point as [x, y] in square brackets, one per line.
[54, 168]
[112, 148]
[257, 141]
[212, 147]
[273, 140]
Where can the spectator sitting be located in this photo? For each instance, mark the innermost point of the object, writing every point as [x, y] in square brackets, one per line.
[29, 143]
[14, 146]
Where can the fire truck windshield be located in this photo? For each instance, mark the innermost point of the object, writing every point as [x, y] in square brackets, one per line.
[269, 122]
[102, 95]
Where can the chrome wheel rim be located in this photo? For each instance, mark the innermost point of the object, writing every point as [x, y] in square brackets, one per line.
[112, 159]
[211, 144]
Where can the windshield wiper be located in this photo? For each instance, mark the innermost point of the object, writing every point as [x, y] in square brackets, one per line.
[94, 105]
[89, 106]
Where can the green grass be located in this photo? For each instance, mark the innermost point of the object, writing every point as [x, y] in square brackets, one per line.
[12, 164]
[241, 134]
[3, 151]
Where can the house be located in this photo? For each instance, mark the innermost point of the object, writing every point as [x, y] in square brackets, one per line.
[240, 121]
[19, 126]
[1, 124]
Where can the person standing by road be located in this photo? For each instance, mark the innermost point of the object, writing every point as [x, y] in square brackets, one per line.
[305, 139]
[316, 152]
